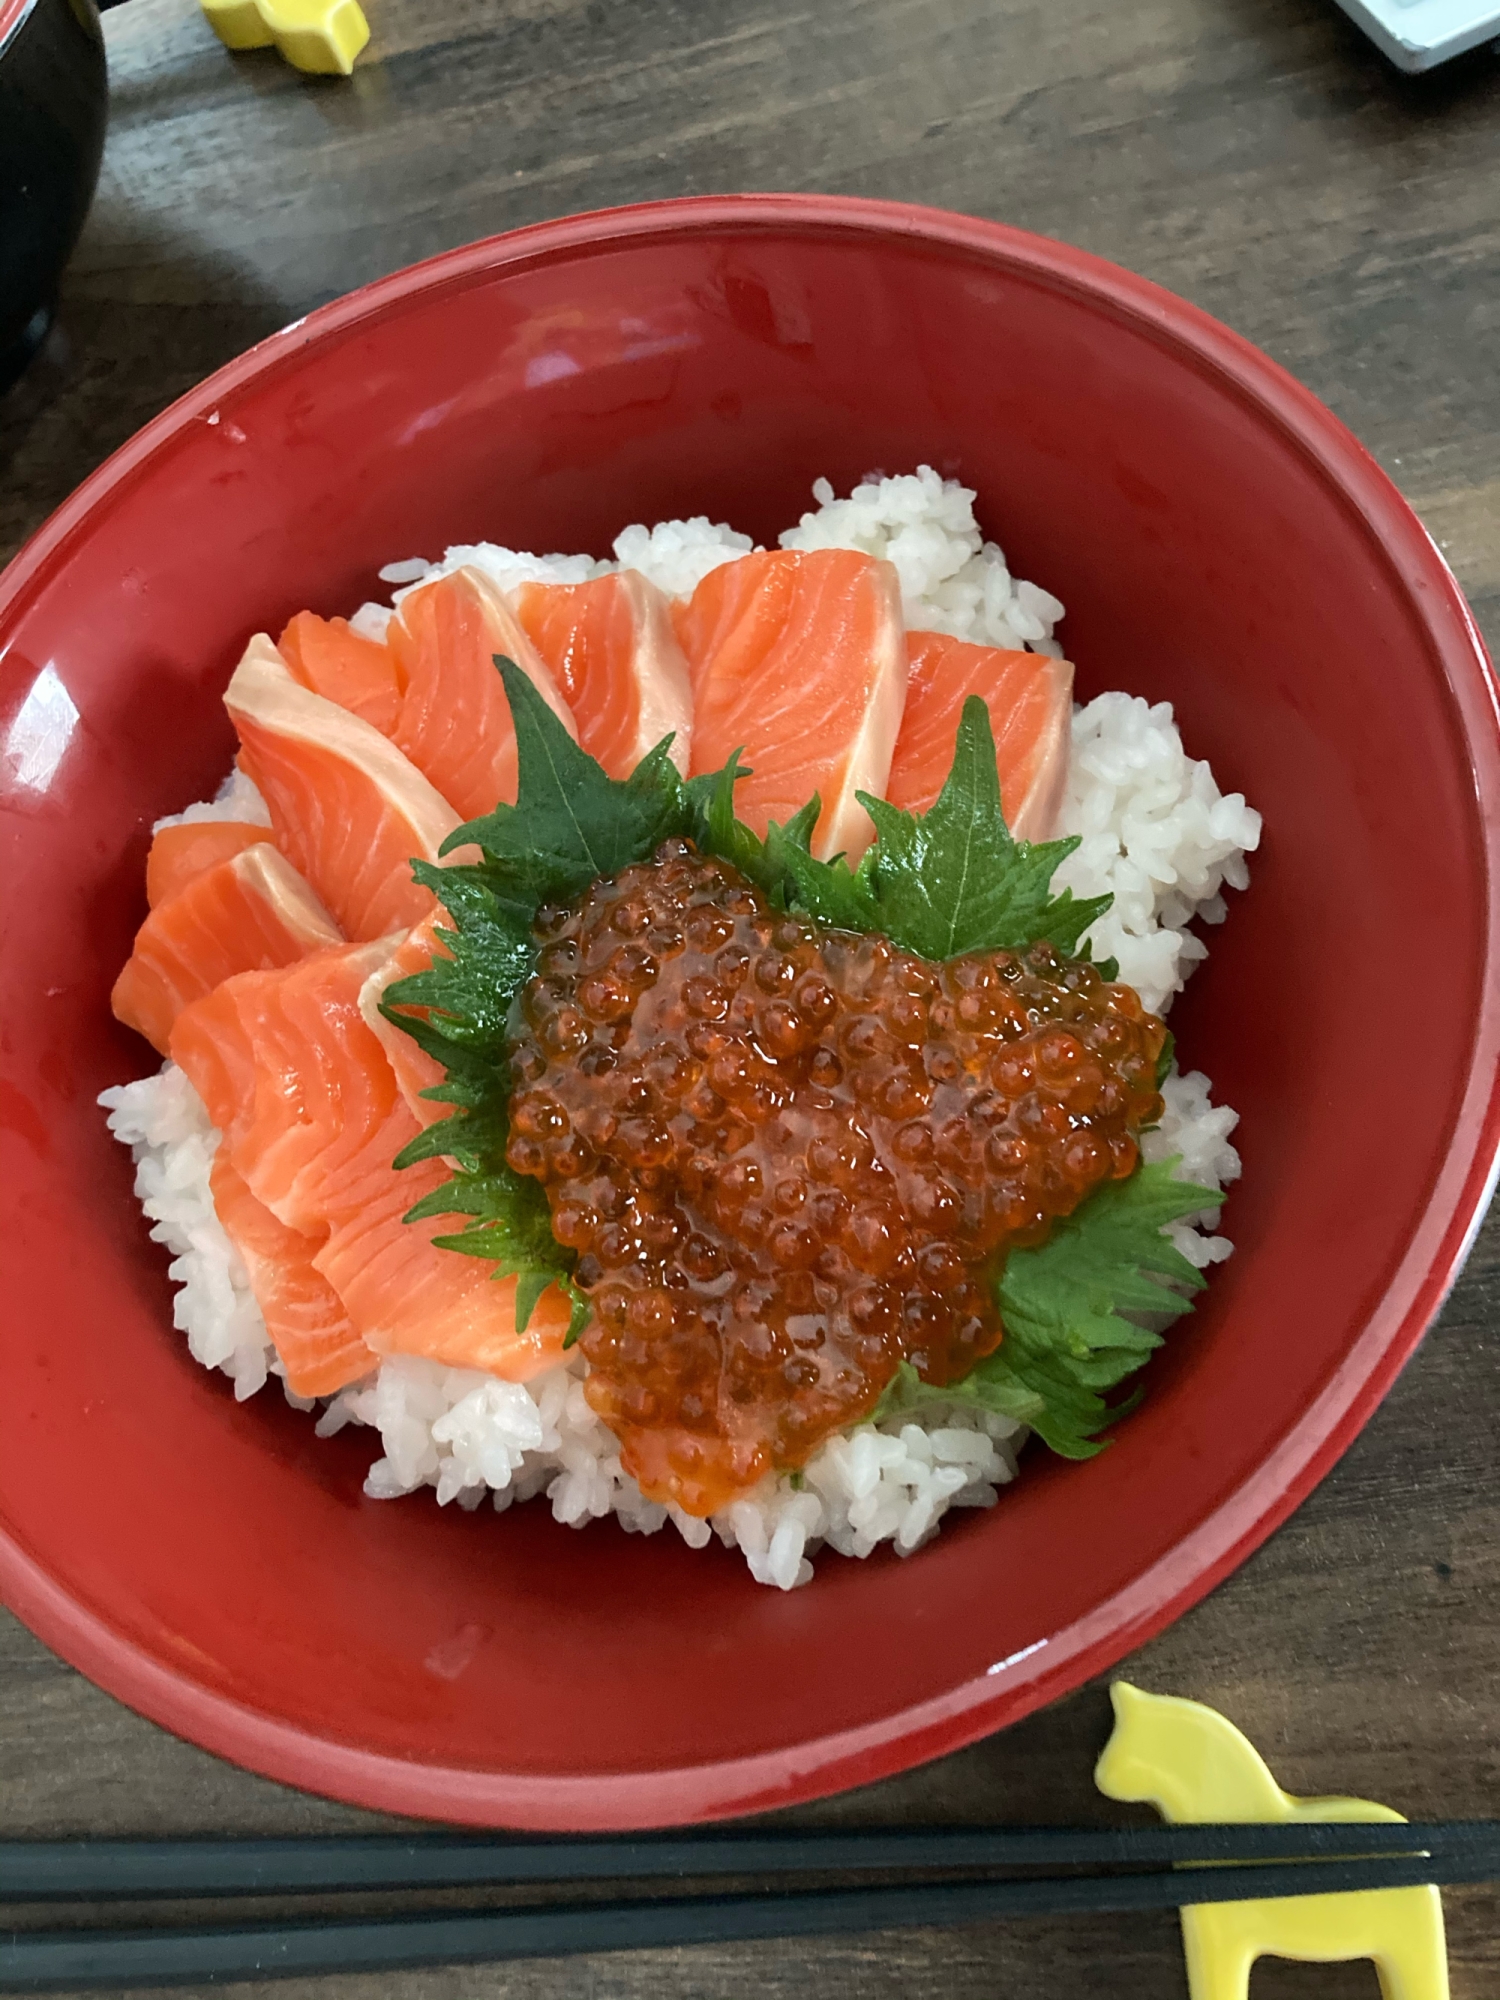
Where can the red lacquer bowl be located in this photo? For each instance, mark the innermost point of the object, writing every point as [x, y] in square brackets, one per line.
[1221, 543]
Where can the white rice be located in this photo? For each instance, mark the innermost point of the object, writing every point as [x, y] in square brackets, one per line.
[237, 798]
[1157, 834]
[164, 1123]
[952, 580]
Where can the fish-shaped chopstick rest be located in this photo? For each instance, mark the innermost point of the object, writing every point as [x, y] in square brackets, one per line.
[1193, 1766]
[320, 36]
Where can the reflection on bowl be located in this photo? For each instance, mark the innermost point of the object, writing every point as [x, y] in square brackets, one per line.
[1221, 543]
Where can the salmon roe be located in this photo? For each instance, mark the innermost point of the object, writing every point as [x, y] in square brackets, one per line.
[789, 1158]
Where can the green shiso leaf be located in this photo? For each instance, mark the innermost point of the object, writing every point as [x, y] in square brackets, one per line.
[938, 884]
[1073, 1309]
[952, 880]
[571, 822]
[831, 891]
[717, 831]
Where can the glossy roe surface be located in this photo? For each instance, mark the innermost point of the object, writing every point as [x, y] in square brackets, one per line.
[791, 1158]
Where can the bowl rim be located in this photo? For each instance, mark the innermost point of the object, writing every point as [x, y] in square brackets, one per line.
[1439, 1240]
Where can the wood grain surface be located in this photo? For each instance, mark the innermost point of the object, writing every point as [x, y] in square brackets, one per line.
[1256, 156]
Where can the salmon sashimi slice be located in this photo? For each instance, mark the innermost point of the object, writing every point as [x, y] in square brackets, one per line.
[798, 660]
[1030, 700]
[612, 650]
[312, 1119]
[348, 808]
[454, 722]
[330, 657]
[412, 1067]
[406, 1294]
[179, 853]
[249, 913]
[288, 1073]
[305, 1318]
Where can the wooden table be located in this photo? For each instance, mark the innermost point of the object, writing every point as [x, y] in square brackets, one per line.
[1254, 155]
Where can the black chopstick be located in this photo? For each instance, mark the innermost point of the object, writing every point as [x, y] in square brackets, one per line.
[41, 1870]
[34, 1962]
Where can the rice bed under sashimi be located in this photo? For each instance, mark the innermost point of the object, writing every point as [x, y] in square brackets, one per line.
[1154, 832]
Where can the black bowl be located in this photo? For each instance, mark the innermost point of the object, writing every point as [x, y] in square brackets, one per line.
[53, 106]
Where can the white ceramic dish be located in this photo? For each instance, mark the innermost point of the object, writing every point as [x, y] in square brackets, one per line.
[1419, 34]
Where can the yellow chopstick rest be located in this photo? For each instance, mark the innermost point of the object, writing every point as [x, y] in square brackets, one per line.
[320, 36]
[1193, 1766]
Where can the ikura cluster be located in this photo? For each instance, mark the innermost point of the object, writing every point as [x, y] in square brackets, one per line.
[790, 1158]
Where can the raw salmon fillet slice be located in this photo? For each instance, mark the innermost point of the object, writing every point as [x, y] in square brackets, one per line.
[454, 721]
[348, 808]
[330, 657]
[798, 660]
[249, 913]
[289, 1075]
[410, 1297]
[178, 853]
[412, 1067]
[312, 1118]
[1030, 700]
[611, 648]
[305, 1318]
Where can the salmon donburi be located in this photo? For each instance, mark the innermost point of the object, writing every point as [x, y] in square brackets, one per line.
[684, 1036]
